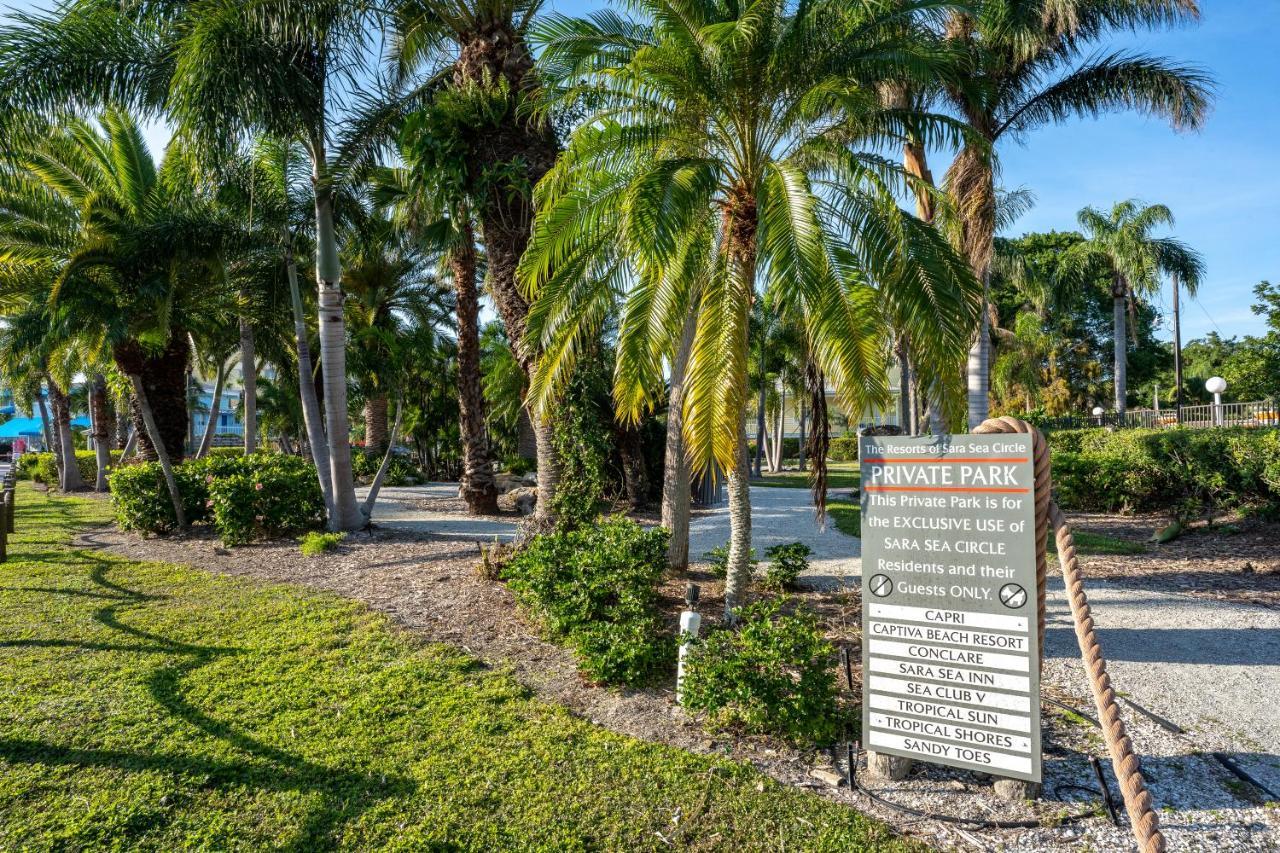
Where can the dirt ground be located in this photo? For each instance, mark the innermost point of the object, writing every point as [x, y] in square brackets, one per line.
[1236, 560]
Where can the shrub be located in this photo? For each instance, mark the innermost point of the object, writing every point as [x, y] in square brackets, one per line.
[316, 543]
[518, 466]
[772, 674]
[41, 467]
[719, 559]
[786, 562]
[401, 472]
[274, 494]
[843, 449]
[1184, 473]
[245, 497]
[596, 588]
[26, 465]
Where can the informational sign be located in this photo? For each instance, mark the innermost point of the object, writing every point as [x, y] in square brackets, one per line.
[950, 649]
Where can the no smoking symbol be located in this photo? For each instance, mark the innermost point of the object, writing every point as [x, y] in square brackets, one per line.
[1013, 596]
[881, 586]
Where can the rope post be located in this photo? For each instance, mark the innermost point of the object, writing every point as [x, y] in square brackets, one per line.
[1124, 762]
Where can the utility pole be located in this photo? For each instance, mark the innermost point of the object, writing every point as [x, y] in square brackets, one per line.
[1177, 351]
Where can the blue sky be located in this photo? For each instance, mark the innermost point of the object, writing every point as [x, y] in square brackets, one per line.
[1222, 183]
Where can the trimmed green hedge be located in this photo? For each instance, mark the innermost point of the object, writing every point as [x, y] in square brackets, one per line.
[1185, 473]
[244, 497]
[843, 449]
[41, 467]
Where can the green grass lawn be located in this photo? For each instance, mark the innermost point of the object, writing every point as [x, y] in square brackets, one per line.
[160, 707]
[840, 475]
[1100, 544]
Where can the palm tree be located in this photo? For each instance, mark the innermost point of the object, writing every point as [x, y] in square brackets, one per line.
[1121, 246]
[222, 72]
[135, 260]
[482, 134]
[712, 161]
[1030, 64]
[434, 208]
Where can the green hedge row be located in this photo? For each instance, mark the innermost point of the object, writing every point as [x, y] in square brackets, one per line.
[41, 467]
[243, 497]
[1184, 473]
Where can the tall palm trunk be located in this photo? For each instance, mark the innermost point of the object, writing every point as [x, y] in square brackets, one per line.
[158, 442]
[738, 577]
[488, 58]
[1119, 304]
[215, 406]
[311, 416]
[345, 512]
[479, 491]
[675, 481]
[375, 423]
[46, 423]
[70, 479]
[741, 221]
[800, 460]
[99, 407]
[760, 418]
[249, 378]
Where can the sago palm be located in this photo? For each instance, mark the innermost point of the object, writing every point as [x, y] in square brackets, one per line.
[713, 163]
[1120, 245]
[1030, 64]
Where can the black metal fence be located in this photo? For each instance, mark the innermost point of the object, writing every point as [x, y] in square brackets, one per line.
[1260, 413]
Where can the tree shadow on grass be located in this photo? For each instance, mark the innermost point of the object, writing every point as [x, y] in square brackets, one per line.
[344, 794]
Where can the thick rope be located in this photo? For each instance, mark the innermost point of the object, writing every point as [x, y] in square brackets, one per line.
[1125, 764]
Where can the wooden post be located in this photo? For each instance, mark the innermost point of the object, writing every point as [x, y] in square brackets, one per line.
[6, 498]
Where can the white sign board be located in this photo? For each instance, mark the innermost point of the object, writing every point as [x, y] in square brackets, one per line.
[950, 649]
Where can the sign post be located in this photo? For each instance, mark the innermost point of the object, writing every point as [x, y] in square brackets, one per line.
[950, 652]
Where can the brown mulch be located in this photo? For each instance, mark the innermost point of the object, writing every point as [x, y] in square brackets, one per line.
[1236, 560]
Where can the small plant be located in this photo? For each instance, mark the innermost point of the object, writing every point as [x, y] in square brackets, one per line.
[316, 543]
[596, 588]
[786, 563]
[719, 559]
[772, 674]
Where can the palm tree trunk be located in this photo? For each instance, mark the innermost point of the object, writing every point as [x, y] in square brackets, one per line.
[249, 378]
[760, 417]
[526, 438]
[375, 423]
[800, 446]
[741, 224]
[738, 579]
[345, 513]
[1177, 350]
[548, 470]
[479, 491]
[311, 416]
[979, 369]
[376, 486]
[1119, 294]
[101, 432]
[904, 383]
[70, 479]
[215, 406]
[46, 423]
[675, 481]
[162, 453]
